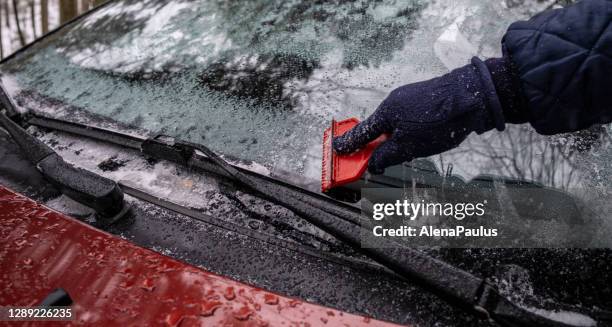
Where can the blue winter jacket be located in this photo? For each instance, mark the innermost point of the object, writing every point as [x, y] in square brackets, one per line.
[556, 70]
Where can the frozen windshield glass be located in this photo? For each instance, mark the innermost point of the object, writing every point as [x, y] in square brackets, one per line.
[261, 80]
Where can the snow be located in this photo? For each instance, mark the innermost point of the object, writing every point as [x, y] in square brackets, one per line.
[152, 44]
[136, 8]
[568, 317]
[12, 87]
[162, 179]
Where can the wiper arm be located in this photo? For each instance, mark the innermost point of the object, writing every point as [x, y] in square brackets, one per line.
[97, 192]
[457, 286]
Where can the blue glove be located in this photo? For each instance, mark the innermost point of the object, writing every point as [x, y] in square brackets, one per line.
[430, 117]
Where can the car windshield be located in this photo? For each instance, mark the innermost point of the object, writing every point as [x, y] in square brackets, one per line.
[261, 80]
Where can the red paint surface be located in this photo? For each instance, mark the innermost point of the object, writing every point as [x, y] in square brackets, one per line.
[116, 283]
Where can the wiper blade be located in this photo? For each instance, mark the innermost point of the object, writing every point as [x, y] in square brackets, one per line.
[183, 153]
[459, 287]
[99, 193]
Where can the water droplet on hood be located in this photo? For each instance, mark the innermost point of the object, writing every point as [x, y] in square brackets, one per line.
[229, 293]
[209, 307]
[271, 299]
[243, 313]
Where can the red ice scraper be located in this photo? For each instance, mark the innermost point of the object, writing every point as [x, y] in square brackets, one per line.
[340, 169]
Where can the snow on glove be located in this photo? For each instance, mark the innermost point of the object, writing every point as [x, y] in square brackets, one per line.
[428, 117]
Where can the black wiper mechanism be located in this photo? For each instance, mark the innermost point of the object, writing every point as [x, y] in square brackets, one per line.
[97, 192]
[457, 286]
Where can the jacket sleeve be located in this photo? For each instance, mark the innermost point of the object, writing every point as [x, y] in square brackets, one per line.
[560, 68]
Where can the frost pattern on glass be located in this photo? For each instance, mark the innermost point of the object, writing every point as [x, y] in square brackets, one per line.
[261, 80]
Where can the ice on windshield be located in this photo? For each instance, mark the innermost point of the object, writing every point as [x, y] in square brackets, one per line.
[261, 80]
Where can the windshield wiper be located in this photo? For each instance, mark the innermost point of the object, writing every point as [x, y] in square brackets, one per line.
[457, 286]
[99, 193]
[474, 294]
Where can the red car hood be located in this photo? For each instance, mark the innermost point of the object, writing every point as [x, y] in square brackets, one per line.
[114, 282]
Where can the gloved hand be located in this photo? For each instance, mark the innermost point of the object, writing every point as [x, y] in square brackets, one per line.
[428, 117]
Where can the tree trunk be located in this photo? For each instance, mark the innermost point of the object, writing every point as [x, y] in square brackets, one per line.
[84, 6]
[19, 31]
[68, 10]
[98, 2]
[1, 47]
[7, 15]
[44, 16]
[33, 18]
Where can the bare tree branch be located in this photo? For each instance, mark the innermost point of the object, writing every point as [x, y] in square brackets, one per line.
[19, 31]
[7, 15]
[33, 18]
[1, 41]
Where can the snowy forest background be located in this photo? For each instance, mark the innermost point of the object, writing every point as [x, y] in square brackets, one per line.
[22, 21]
